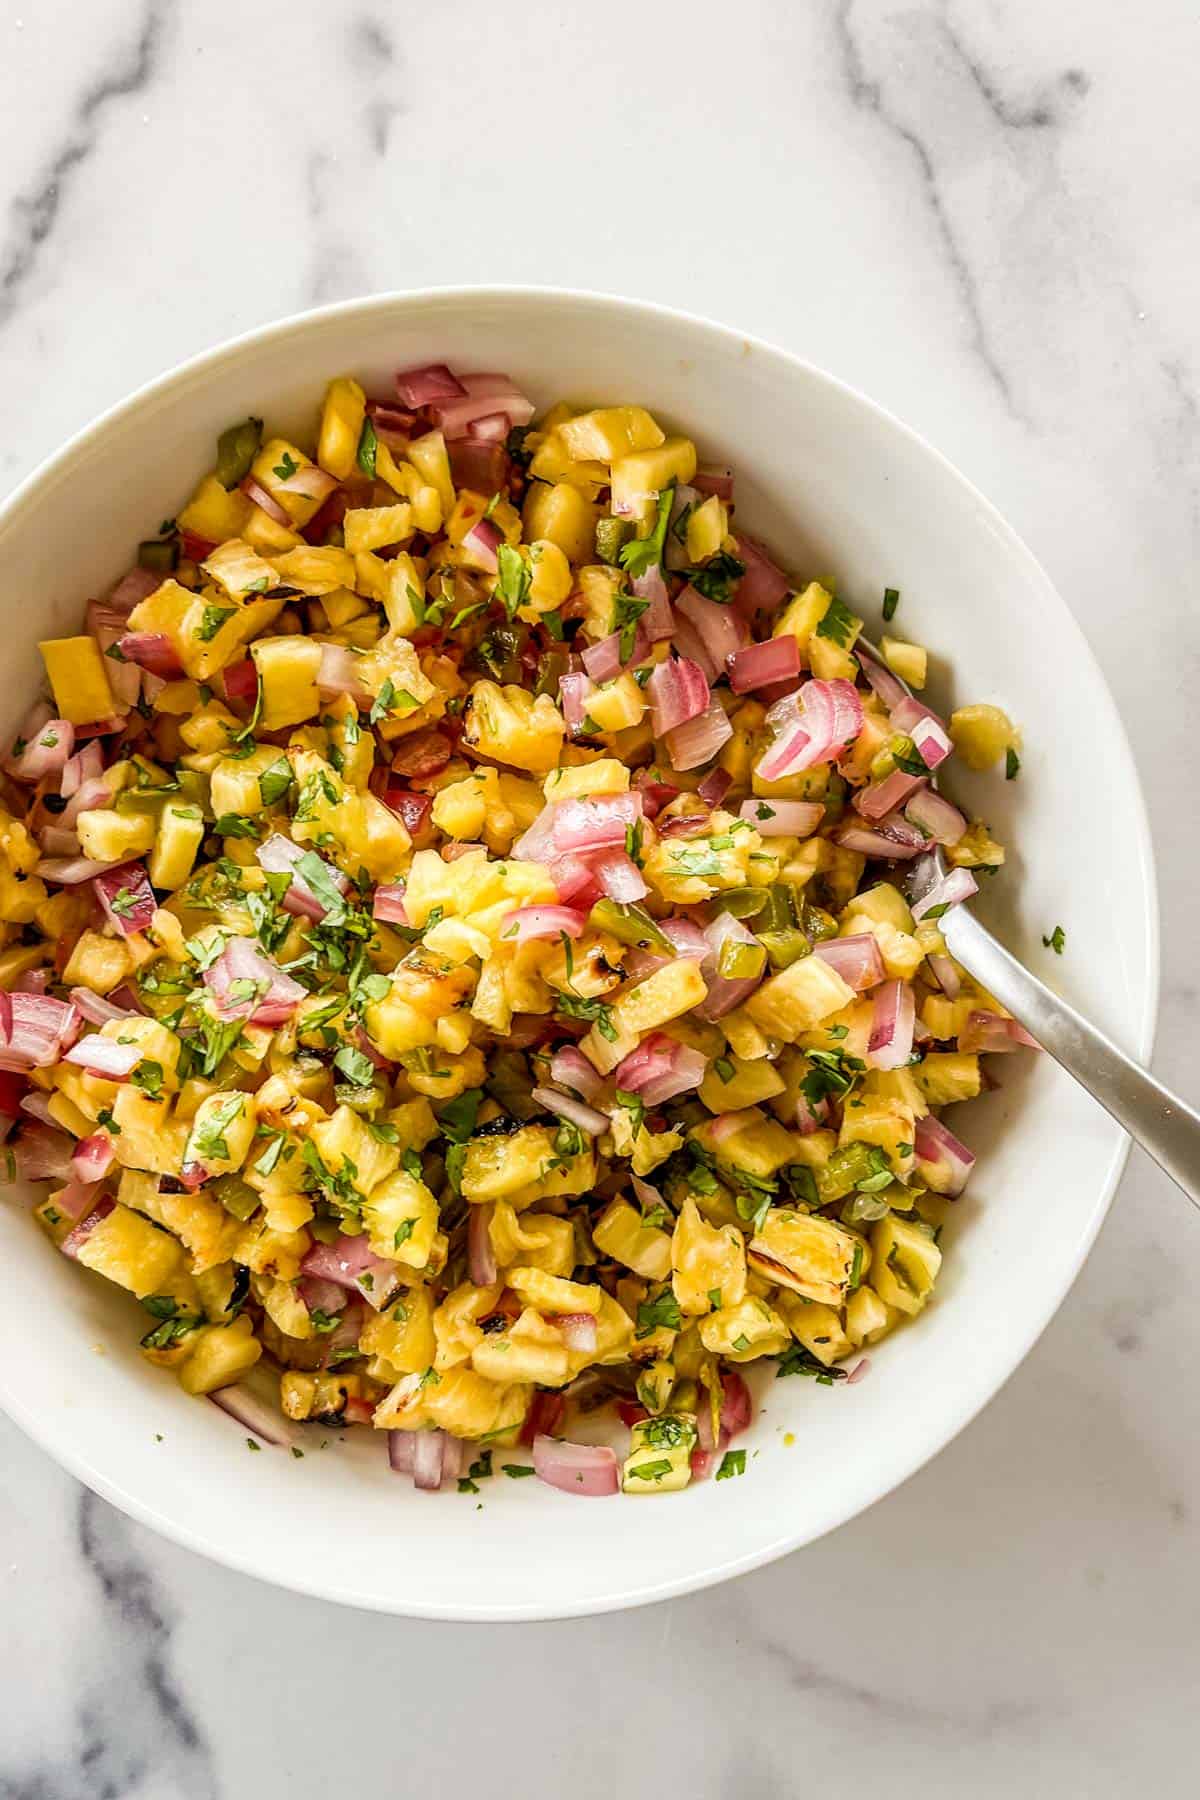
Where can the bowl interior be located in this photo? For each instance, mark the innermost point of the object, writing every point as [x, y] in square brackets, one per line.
[836, 487]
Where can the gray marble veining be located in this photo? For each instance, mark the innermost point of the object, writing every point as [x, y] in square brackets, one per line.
[983, 213]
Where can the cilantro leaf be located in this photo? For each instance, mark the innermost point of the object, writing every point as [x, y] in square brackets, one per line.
[514, 580]
[642, 554]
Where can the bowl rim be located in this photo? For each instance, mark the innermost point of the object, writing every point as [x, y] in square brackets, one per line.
[1143, 1030]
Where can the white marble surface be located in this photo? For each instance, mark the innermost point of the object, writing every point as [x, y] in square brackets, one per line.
[983, 213]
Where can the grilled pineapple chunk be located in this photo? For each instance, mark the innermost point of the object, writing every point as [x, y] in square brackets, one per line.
[513, 727]
[460, 1402]
[660, 1453]
[946, 1076]
[78, 680]
[131, 1251]
[401, 1217]
[346, 1145]
[113, 837]
[818, 1328]
[531, 1349]
[878, 1119]
[666, 994]
[287, 672]
[621, 1232]
[904, 1263]
[798, 998]
[741, 1333]
[401, 1340]
[523, 1167]
[708, 1263]
[220, 1354]
[342, 416]
[806, 1253]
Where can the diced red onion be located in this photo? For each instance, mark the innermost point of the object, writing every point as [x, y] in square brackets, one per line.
[483, 541]
[660, 1068]
[932, 740]
[941, 1158]
[153, 651]
[619, 876]
[275, 995]
[892, 838]
[492, 428]
[569, 1067]
[658, 621]
[603, 660]
[426, 386]
[933, 814]
[338, 673]
[320, 1295]
[594, 821]
[34, 1028]
[412, 809]
[775, 659]
[266, 502]
[890, 689]
[817, 724]
[785, 818]
[529, 922]
[93, 1158]
[46, 752]
[134, 587]
[685, 935]
[127, 898]
[95, 1008]
[688, 642]
[42, 1153]
[346, 1260]
[36, 1105]
[388, 905]
[945, 974]
[309, 482]
[856, 959]
[954, 887]
[401, 1450]
[566, 1106]
[279, 856]
[699, 739]
[429, 1455]
[723, 994]
[882, 797]
[678, 690]
[86, 765]
[763, 585]
[714, 481]
[253, 1414]
[722, 630]
[481, 1258]
[684, 824]
[891, 1040]
[714, 787]
[589, 1469]
[574, 881]
[105, 1056]
[574, 692]
[810, 1119]
[578, 1329]
[859, 1372]
[737, 1404]
[992, 1032]
[76, 1199]
[73, 1243]
[240, 679]
[91, 793]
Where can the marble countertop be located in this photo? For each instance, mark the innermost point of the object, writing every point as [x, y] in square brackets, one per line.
[983, 213]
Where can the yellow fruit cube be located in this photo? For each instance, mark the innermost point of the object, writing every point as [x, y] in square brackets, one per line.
[609, 433]
[78, 679]
[909, 661]
[807, 1253]
[220, 1355]
[745, 1332]
[214, 513]
[621, 1232]
[618, 704]
[401, 1217]
[981, 734]
[904, 1263]
[513, 727]
[660, 1452]
[665, 994]
[287, 669]
[798, 998]
[708, 1263]
[342, 416]
[639, 478]
[562, 516]
[128, 1249]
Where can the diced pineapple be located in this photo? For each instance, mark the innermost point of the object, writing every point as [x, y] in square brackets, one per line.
[317, 569]
[374, 527]
[239, 569]
[867, 1318]
[131, 1251]
[603, 776]
[401, 1339]
[707, 527]
[807, 1253]
[460, 1402]
[617, 704]
[113, 837]
[506, 1168]
[946, 1076]
[342, 416]
[665, 994]
[830, 645]
[610, 433]
[273, 467]
[428, 456]
[639, 478]
[745, 1332]
[981, 734]
[551, 1294]
[878, 1119]
[660, 1453]
[213, 513]
[287, 670]
[222, 1132]
[732, 1084]
[798, 998]
[801, 616]
[905, 1263]
[818, 1328]
[560, 515]
[708, 1263]
[220, 1355]
[344, 1139]
[147, 1135]
[513, 727]
[401, 1217]
[180, 834]
[909, 661]
[621, 1233]
[78, 680]
[97, 962]
[755, 1145]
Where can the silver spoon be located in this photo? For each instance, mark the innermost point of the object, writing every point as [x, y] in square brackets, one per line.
[1163, 1124]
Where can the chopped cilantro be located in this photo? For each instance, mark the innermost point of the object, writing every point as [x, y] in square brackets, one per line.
[838, 623]
[149, 1077]
[642, 554]
[1056, 941]
[236, 825]
[286, 467]
[368, 449]
[274, 782]
[514, 579]
[1012, 764]
[357, 1068]
[732, 1463]
[891, 600]
[211, 621]
[662, 1310]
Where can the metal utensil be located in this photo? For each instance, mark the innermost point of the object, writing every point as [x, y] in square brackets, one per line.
[1163, 1124]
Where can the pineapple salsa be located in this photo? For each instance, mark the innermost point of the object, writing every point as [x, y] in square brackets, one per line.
[455, 948]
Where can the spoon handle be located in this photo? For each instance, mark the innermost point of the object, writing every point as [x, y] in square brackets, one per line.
[1165, 1127]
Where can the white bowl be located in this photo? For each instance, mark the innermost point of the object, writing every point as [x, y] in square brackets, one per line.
[835, 485]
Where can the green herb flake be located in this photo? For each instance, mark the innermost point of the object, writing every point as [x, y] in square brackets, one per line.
[1012, 764]
[1056, 941]
[732, 1463]
[891, 600]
